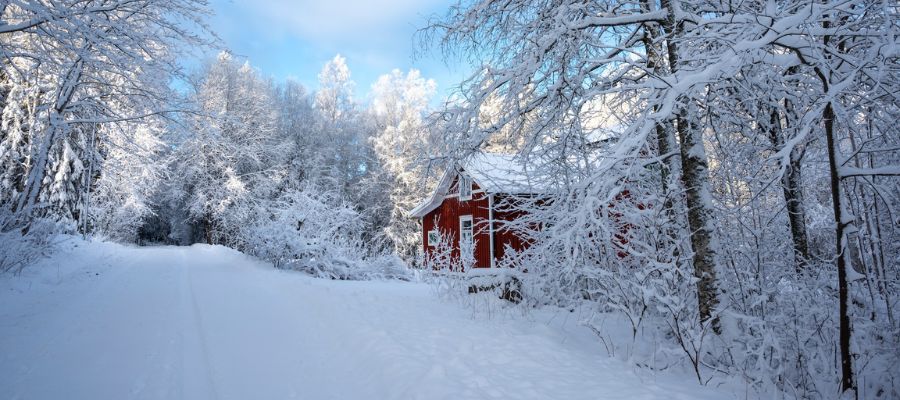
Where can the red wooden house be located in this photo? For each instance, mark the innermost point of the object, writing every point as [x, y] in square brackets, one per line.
[464, 207]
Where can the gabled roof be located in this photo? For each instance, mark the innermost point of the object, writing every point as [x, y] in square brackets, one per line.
[494, 173]
[437, 196]
[504, 173]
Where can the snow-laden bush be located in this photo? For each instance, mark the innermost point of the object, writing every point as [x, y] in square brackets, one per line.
[19, 249]
[452, 276]
[316, 232]
[441, 257]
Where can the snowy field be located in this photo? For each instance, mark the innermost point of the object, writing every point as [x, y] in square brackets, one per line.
[102, 321]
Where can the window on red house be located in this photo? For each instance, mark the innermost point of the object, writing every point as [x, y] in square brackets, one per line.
[465, 188]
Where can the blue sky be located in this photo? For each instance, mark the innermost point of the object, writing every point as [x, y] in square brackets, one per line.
[294, 38]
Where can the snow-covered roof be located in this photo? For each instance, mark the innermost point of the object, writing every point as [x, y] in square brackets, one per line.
[494, 173]
[503, 173]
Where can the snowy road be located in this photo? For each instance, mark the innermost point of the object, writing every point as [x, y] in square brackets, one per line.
[107, 322]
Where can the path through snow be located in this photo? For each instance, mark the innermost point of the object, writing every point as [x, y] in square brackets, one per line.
[102, 321]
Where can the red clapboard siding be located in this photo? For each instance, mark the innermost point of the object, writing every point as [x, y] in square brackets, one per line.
[446, 216]
[504, 236]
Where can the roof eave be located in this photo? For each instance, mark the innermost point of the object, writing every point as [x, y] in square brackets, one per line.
[436, 198]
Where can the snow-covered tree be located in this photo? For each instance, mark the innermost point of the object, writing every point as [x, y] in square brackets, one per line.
[129, 177]
[334, 99]
[19, 122]
[269, 171]
[221, 166]
[342, 128]
[399, 104]
[88, 64]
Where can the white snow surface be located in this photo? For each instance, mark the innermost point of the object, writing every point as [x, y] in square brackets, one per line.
[105, 321]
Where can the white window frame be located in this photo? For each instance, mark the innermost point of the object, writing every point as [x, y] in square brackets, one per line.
[465, 182]
[464, 218]
[491, 227]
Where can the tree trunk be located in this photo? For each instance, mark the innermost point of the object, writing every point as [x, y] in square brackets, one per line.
[695, 177]
[663, 134]
[55, 125]
[793, 193]
[207, 226]
[793, 198]
[841, 222]
[840, 249]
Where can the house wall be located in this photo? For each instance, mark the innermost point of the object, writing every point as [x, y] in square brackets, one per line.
[502, 235]
[446, 219]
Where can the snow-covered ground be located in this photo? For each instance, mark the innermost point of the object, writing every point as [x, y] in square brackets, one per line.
[103, 321]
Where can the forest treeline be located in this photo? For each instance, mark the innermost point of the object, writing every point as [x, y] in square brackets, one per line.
[105, 133]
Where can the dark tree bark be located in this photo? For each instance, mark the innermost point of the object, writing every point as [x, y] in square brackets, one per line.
[207, 226]
[793, 194]
[840, 232]
[840, 249]
[695, 177]
[663, 134]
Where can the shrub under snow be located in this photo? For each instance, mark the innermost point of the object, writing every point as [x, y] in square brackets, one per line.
[317, 233]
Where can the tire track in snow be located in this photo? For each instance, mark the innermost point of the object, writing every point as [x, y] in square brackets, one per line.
[192, 322]
[161, 359]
